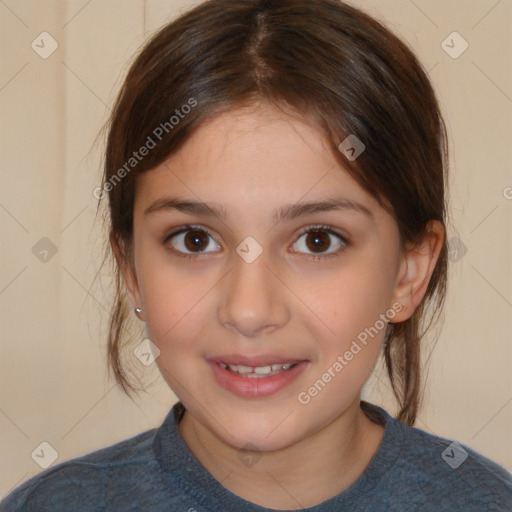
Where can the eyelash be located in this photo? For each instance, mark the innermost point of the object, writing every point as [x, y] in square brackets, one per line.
[311, 229]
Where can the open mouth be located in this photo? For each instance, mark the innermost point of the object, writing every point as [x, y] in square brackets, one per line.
[256, 377]
[258, 372]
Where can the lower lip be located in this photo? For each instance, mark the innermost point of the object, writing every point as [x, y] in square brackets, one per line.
[255, 387]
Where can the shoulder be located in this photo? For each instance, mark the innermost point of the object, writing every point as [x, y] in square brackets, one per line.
[87, 482]
[453, 474]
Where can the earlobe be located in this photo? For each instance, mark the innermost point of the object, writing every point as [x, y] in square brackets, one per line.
[417, 265]
[132, 289]
[128, 274]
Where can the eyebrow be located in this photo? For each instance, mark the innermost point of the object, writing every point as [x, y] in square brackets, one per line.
[287, 212]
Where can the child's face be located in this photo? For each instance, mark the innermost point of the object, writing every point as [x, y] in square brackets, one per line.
[281, 307]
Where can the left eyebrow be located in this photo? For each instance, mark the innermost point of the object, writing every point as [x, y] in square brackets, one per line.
[287, 212]
[300, 209]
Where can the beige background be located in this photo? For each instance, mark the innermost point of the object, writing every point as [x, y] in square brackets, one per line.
[53, 381]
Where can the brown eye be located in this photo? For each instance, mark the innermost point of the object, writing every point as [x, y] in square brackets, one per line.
[192, 240]
[196, 240]
[321, 241]
[317, 241]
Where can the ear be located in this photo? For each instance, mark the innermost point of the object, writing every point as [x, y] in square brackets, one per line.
[416, 268]
[127, 269]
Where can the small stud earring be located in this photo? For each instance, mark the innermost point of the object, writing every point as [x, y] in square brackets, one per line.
[138, 311]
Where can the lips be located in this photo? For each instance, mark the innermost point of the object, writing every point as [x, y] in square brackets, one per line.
[257, 371]
[257, 376]
[254, 361]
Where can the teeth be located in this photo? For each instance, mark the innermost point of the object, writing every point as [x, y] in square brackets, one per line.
[241, 369]
[262, 370]
[258, 371]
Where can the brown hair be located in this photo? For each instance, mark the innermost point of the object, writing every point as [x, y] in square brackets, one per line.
[322, 60]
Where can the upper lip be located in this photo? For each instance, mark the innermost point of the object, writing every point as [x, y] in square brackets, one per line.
[252, 361]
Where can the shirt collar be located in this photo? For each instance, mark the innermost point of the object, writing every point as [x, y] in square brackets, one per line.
[185, 474]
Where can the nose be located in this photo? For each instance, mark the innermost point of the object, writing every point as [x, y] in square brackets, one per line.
[253, 299]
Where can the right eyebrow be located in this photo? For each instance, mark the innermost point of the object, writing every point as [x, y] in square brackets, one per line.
[186, 206]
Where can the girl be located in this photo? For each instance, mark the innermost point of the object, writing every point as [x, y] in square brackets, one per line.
[275, 173]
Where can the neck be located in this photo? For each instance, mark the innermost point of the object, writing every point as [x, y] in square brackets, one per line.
[301, 475]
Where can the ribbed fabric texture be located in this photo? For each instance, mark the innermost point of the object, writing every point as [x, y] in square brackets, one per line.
[155, 472]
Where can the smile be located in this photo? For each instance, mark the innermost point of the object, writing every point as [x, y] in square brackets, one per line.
[256, 380]
[258, 371]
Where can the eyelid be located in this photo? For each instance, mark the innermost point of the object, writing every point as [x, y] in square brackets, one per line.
[184, 229]
[329, 230]
[323, 227]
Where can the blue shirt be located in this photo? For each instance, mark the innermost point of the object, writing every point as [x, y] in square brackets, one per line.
[155, 471]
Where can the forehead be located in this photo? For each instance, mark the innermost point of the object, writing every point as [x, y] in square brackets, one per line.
[251, 141]
[259, 155]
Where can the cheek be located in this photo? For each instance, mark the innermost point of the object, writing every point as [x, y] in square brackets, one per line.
[174, 301]
[349, 349]
[174, 322]
[350, 299]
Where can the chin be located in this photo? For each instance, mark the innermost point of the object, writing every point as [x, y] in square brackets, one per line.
[257, 431]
